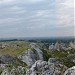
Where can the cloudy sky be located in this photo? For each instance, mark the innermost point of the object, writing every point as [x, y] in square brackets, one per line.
[36, 18]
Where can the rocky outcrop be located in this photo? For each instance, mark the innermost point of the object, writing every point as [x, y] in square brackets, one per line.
[31, 55]
[28, 57]
[43, 68]
[71, 57]
[19, 70]
[7, 59]
[5, 72]
[3, 66]
[53, 61]
[39, 67]
[52, 47]
[38, 51]
[72, 45]
[70, 71]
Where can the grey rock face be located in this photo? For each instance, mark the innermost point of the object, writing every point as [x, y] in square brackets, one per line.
[72, 44]
[19, 70]
[38, 51]
[42, 68]
[37, 68]
[70, 71]
[32, 55]
[5, 72]
[7, 59]
[2, 66]
[71, 57]
[28, 57]
[51, 47]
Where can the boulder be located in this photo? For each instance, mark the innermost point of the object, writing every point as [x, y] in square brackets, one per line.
[70, 71]
[52, 61]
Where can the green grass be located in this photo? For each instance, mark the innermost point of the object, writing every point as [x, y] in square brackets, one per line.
[14, 51]
[60, 55]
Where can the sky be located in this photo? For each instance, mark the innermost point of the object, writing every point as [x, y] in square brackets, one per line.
[36, 18]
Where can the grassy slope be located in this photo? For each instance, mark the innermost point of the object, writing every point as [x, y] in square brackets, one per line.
[14, 51]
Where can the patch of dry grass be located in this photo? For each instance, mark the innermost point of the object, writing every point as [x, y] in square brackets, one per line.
[14, 51]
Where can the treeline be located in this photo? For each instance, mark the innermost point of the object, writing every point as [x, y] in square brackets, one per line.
[53, 40]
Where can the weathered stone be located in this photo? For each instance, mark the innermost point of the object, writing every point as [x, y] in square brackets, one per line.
[5, 72]
[7, 59]
[52, 61]
[38, 51]
[70, 71]
[42, 68]
[32, 55]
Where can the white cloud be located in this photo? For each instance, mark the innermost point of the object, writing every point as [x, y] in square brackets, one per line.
[20, 1]
[28, 17]
[10, 20]
[33, 1]
[17, 9]
[45, 13]
[6, 1]
[65, 12]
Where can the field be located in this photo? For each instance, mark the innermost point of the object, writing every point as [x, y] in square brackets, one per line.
[13, 48]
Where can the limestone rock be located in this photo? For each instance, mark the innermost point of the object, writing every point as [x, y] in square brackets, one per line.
[42, 68]
[5, 72]
[38, 51]
[28, 57]
[31, 55]
[71, 57]
[70, 71]
[19, 70]
[7, 59]
[52, 61]
[51, 47]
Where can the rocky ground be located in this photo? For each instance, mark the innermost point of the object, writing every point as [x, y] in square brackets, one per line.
[34, 58]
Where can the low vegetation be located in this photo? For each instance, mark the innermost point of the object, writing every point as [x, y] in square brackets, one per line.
[19, 47]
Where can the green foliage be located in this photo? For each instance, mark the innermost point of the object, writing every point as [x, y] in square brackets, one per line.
[9, 67]
[68, 63]
[19, 62]
[47, 54]
[0, 72]
[59, 54]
